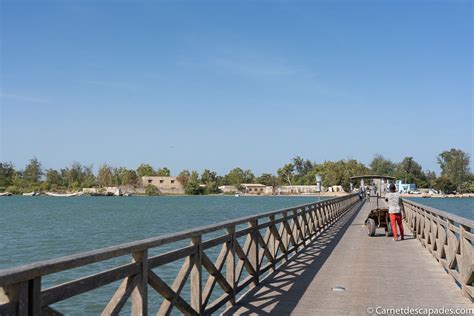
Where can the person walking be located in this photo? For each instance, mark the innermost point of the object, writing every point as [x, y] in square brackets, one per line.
[395, 210]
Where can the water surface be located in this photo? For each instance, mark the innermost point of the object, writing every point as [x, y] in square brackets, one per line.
[463, 207]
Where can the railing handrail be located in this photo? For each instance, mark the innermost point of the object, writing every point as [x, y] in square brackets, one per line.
[50, 266]
[449, 238]
[455, 218]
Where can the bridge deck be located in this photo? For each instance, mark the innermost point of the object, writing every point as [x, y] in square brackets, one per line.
[375, 271]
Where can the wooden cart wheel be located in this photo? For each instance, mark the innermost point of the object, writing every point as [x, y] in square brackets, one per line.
[371, 227]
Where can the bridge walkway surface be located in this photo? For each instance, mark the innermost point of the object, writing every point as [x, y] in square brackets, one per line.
[376, 273]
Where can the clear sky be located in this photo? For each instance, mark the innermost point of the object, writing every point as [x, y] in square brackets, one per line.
[221, 84]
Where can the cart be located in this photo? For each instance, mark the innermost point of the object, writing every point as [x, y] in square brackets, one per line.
[378, 218]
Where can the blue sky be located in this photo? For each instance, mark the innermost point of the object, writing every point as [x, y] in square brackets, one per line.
[221, 84]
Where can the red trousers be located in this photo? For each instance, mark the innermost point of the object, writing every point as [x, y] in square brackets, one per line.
[394, 220]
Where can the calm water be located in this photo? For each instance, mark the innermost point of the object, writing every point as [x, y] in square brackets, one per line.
[461, 207]
[38, 228]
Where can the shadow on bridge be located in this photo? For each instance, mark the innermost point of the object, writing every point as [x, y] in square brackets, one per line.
[281, 291]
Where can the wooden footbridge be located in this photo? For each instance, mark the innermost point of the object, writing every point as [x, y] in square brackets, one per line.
[314, 259]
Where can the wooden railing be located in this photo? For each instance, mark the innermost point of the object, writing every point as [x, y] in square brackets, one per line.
[269, 240]
[449, 238]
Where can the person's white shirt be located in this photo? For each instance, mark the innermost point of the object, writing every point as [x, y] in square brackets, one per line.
[394, 201]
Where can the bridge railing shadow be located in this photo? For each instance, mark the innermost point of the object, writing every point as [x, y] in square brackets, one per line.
[280, 292]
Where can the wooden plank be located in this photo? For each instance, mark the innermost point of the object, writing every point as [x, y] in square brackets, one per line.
[289, 233]
[140, 293]
[243, 232]
[244, 260]
[272, 243]
[230, 263]
[34, 296]
[69, 289]
[23, 297]
[171, 256]
[9, 308]
[217, 303]
[164, 290]
[196, 276]
[244, 283]
[215, 275]
[280, 244]
[313, 221]
[264, 247]
[253, 252]
[176, 287]
[296, 223]
[120, 296]
[215, 242]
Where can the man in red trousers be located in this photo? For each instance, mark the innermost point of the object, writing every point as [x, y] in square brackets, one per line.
[395, 210]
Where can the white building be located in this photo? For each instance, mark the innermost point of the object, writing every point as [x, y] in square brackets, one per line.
[257, 188]
[297, 189]
[228, 189]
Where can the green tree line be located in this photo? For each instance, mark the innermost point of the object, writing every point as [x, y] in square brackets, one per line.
[454, 164]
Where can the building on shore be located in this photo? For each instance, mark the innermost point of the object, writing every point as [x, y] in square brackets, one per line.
[103, 191]
[257, 188]
[165, 185]
[405, 187]
[297, 189]
[228, 189]
[335, 188]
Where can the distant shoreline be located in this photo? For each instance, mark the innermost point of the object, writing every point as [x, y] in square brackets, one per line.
[325, 195]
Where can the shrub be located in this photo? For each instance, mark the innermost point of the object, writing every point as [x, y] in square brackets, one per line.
[13, 189]
[151, 190]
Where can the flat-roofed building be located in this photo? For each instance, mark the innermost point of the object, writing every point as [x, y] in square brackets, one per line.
[297, 189]
[257, 188]
[228, 189]
[165, 185]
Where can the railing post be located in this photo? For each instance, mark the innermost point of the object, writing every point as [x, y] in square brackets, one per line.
[272, 241]
[34, 296]
[230, 264]
[140, 293]
[24, 298]
[18, 293]
[196, 276]
[253, 252]
[285, 237]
